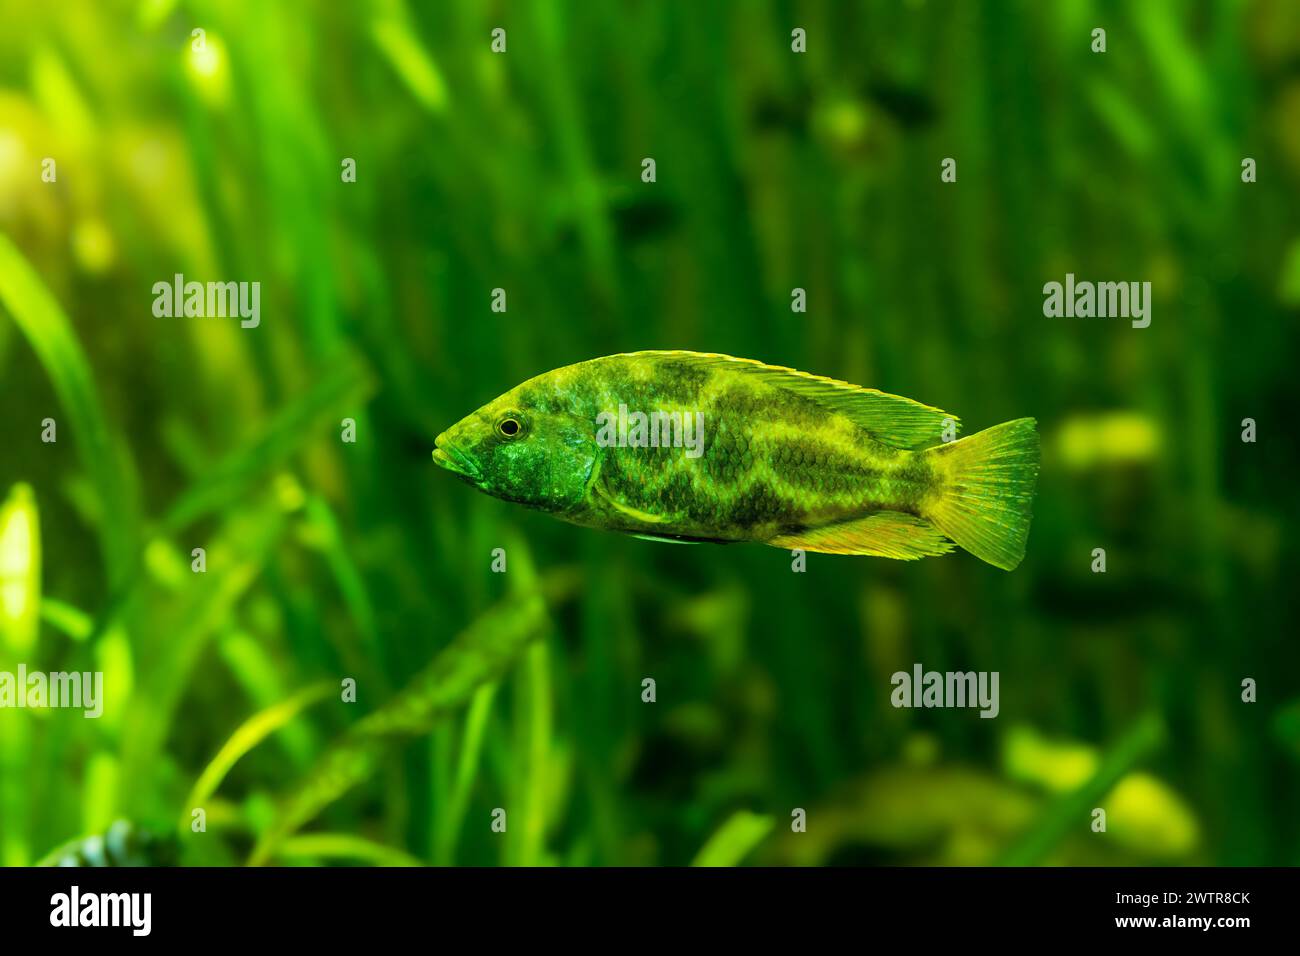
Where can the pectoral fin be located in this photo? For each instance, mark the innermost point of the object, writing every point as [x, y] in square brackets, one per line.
[600, 491]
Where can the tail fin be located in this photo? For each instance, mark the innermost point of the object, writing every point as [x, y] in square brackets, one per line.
[988, 480]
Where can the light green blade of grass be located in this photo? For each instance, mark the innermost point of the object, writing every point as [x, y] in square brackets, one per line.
[548, 24]
[352, 585]
[452, 814]
[20, 599]
[1073, 809]
[344, 846]
[150, 14]
[533, 705]
[338, 388]
[477, 657]
[115, 659]
[60, 98]
[341, 386]
[734, 840]
[255, 670]
[66, 619]
[394, 36]
[15, 788]
[292, 134]
[99, 792]
[1121, 117]
[20, 571]
[237, 554]
[101, 449]
[247, 736]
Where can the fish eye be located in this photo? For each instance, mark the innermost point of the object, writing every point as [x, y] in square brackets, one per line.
[509, 427]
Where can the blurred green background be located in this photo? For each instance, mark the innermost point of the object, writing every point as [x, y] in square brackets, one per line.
[521, 170]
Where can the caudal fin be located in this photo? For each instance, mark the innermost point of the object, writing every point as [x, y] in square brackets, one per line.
[988, 480]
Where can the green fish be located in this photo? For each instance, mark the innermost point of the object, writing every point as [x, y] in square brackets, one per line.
[695, 447]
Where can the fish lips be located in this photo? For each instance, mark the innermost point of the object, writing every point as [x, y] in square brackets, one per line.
[448, 456]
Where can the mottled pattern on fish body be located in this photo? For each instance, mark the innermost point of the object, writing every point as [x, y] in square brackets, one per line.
[770, 460]
[786, 458]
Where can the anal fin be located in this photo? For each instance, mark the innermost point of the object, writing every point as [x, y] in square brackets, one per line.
[887, 534]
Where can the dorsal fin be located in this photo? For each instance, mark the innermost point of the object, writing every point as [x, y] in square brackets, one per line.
[890, 419]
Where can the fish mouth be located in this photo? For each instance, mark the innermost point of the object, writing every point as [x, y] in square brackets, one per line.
[448, 456]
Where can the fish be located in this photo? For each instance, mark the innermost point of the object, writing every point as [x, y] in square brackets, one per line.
[695, 447]
[123, 844]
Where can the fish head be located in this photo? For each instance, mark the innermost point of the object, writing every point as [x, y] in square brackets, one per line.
[521, 451]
